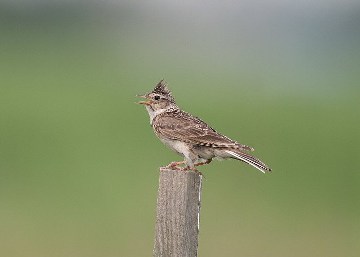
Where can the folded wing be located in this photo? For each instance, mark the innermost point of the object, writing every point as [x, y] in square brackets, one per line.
[182, 126]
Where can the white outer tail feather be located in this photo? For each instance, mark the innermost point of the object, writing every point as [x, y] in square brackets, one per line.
[249, 160]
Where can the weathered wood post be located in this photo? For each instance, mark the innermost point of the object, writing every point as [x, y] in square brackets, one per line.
[177, 214]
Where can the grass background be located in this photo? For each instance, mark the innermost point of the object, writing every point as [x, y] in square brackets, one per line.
[79, 162]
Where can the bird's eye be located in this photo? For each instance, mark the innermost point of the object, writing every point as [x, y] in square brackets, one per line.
[157, 97]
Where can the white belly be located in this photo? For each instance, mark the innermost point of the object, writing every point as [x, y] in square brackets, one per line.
[177, 146]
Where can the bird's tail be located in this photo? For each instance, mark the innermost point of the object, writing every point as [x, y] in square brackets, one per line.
[249, 159]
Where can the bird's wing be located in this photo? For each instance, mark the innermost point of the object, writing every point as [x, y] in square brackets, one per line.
[179, 125]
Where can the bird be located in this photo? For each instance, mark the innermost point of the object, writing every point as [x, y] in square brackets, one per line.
[189, 136]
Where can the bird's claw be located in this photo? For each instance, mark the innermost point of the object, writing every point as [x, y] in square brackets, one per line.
[187, 168]
[174, 165]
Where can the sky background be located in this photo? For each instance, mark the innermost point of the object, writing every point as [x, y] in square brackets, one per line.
[79, 162]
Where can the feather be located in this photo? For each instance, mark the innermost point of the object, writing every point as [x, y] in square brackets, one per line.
[179, 125]
[162, 89]
[251, 160]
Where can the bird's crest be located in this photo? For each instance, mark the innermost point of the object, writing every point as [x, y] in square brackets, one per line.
[162, 89]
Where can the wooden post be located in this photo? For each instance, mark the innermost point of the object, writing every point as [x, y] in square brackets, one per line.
[177, 214]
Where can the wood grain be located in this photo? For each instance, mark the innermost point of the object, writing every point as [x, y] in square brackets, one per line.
[178, 214]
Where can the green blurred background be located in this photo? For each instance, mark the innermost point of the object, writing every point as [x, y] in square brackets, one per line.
[79, 161]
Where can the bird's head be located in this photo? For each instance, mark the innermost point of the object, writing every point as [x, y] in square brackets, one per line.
[159, 99]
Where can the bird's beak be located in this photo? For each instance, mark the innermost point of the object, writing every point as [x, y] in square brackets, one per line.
[143, 102]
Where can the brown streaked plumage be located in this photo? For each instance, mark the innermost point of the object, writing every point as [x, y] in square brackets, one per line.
[189, 136]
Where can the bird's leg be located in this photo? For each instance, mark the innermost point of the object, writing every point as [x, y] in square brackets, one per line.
[189, 168]
[173, 165]
[203, 163]
[197, 164]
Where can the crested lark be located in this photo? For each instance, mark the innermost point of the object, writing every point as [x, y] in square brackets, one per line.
[189, 136]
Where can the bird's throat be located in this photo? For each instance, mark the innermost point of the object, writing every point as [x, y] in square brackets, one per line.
[153, 113]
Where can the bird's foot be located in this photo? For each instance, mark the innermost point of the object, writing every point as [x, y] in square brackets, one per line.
[174, 165]
[187, 168]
